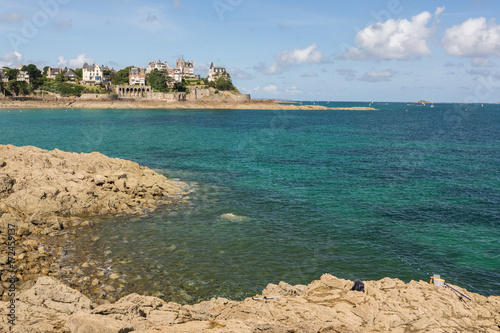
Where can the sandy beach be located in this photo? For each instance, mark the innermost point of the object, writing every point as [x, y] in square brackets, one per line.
[76, 103]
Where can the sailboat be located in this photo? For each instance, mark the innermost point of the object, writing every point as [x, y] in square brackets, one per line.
[432, 105]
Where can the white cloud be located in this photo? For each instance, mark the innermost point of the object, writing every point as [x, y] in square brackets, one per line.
[481, 62]
[479, 72]
[309, 74]
[348, 74]
[12, 17]
[451, 64]
[11, 59]
[377, 76]
[438, 13]
[271, 89]
[284, 60]
[240, 74]
[74, 63]
[473, 38]
[394, 39]
[292, 91]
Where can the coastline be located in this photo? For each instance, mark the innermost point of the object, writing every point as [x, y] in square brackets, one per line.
[110, 186]
[75, 103]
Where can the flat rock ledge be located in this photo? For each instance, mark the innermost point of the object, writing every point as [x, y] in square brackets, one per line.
[326, 305]
[45, 192]
[36, 185]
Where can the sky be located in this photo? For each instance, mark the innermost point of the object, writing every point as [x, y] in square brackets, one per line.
[357, 50]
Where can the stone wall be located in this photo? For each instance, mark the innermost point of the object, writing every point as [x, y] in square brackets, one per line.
[195, 93]
[243, 97]
[177, 96]
[99, 97]
[199, 93]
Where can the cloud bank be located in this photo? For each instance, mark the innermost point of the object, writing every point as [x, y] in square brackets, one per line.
[75, 63]
[11, 59]
[474, 38]
[290, 58]
[394, 39]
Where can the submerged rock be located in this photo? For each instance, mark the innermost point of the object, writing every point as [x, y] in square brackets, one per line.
[233, 218]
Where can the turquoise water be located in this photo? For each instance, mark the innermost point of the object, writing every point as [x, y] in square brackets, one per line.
[351, 193]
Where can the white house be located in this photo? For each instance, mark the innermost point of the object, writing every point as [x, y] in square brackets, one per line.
[186, 69]
[91, 74]
[215, 72]
[23, 76]
[156, 65]
[137, 76]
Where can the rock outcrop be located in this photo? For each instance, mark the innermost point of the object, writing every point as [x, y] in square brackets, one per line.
[37, 184]
[326, 305]
[45, 192]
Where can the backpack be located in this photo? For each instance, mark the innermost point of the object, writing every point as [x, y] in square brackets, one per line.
[358, 286]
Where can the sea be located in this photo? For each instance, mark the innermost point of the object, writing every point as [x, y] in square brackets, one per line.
[401, 191]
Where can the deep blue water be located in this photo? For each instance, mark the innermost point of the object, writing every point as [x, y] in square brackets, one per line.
[351, 193]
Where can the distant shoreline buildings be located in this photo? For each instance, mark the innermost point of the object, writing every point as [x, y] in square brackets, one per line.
[96, 74]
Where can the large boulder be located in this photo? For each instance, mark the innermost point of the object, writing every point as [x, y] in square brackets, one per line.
[45, 307]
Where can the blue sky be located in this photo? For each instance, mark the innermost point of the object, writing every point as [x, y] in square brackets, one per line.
[392, 50]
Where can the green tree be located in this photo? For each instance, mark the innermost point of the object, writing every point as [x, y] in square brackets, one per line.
[35, 75]
[12, 73]
[33, 71]
[60, 77]
[224, 83]
[180, 86]
[18, 88]
[45, 70]
[79, 73]
[67, 89]
[121, 76]
[158, 80]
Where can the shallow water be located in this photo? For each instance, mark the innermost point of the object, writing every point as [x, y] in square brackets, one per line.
[349, 193]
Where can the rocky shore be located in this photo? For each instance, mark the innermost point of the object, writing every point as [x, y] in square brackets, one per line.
[51, 195]
[326, 305]
[48, 194]
[72, 102]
